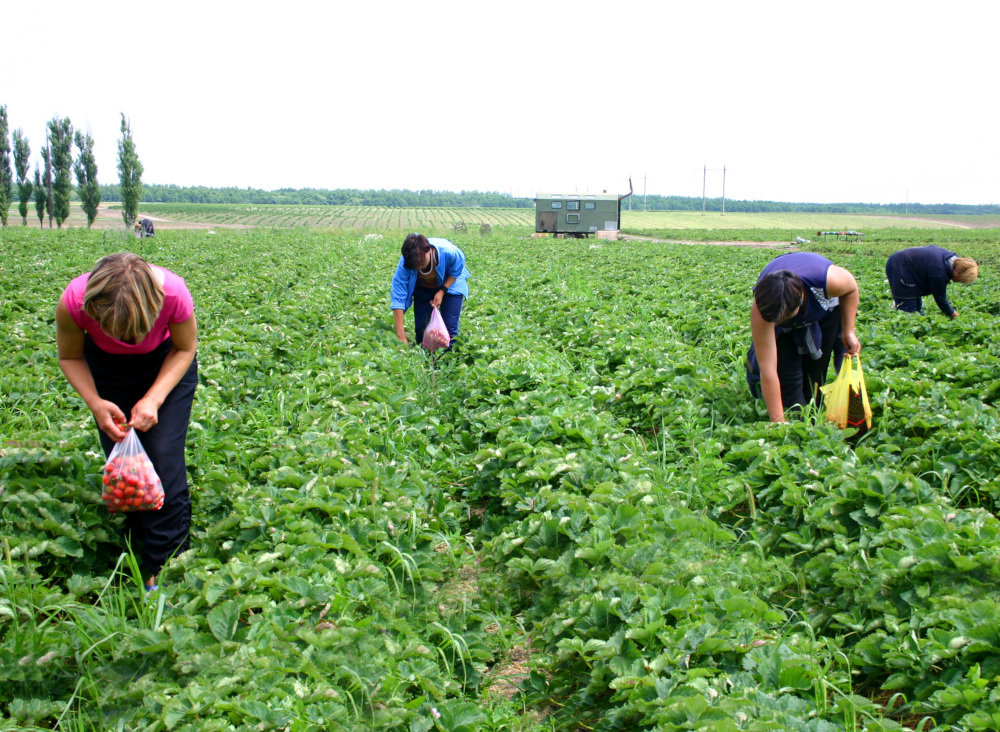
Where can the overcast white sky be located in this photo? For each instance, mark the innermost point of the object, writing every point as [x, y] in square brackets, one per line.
[871, 101]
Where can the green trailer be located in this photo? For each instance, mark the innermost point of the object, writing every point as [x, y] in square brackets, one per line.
[578, 214]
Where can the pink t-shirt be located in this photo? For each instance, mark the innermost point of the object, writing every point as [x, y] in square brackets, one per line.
[178, 306]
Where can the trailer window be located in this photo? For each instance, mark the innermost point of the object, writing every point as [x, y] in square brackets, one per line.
[590, 205]
[572, 218]
[572, 205]
[556, 204]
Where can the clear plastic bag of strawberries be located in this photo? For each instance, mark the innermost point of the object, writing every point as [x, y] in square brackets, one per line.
[436, 334]
[130, 482]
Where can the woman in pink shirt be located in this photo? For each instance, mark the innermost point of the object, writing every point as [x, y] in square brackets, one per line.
[127, 337]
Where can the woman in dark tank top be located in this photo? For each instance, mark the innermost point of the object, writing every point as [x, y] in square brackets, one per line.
[803, 312]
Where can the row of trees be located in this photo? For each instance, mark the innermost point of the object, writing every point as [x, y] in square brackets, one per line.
[323, 197]
[53, 192]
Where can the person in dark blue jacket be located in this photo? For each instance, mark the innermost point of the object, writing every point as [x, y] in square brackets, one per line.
[919, 271]
[803, 312]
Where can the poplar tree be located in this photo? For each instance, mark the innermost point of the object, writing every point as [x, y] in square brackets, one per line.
[86, 177]
[6, 181]
[61, 144]
[41, 196]
[129, 175]
[22, 155]
[49, 206]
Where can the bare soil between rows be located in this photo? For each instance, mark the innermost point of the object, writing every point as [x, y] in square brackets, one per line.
[109, 218]
[750, 244]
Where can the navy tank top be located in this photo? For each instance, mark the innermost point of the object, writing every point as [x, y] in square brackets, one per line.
[812, 269]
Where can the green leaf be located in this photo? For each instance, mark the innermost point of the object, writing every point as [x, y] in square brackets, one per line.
[175, 710]
[794, 677]
[222, 620]
[71, 547]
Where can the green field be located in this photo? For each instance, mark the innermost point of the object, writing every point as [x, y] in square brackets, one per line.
[372, 218]
[368, 217]
[578, 520]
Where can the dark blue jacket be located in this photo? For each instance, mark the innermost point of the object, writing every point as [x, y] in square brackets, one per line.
[920, 271]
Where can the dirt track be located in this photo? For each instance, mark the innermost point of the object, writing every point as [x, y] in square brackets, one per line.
[750, 244]
[109, 218]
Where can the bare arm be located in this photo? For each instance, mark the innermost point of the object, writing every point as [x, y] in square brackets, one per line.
[184, 337]
[398, 322]
[841, 283]
[69, 343]
[766, 348]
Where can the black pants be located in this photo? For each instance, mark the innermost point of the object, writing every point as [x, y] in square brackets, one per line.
[798, 373]
[125, 380]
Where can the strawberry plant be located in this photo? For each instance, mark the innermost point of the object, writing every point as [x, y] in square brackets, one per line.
[584, 480]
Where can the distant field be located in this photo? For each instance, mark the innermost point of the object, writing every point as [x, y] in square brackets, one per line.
[805, 221]
[336, 217]
[194, 215]
[368, 217]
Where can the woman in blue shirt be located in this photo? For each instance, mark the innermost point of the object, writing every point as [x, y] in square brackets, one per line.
[803, 311]
[431, 273]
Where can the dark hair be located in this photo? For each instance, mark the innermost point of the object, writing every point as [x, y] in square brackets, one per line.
[414, 248]
[778, 295]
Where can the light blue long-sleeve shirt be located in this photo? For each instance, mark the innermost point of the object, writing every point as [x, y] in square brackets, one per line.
[451, 262]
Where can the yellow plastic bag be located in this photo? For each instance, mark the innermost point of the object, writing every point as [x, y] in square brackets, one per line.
[846, 398]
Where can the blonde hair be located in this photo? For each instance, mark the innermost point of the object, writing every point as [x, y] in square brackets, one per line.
[965, 270]
[124, 296]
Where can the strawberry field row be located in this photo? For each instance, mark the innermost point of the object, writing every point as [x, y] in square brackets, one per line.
[585, 477]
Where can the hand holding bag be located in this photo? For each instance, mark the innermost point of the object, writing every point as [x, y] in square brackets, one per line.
[436, 334]
[846, 398]
[130, 482]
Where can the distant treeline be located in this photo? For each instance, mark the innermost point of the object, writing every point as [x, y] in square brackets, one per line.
[476, 199]
[324, 197]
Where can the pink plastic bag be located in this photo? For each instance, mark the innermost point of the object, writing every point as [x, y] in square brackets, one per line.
[130, 482]
[436, 335]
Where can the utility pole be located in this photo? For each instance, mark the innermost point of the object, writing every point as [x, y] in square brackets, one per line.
[644, 193]
[723, 190]
[704, 174]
